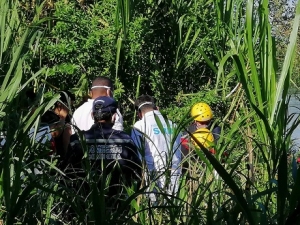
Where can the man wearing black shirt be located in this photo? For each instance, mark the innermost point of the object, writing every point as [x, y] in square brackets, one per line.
[111, 154]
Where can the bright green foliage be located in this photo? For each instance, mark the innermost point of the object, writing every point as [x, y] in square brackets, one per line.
[80, 43]
[184, 102]
[255, 184]
[160, 45]
[20, 155]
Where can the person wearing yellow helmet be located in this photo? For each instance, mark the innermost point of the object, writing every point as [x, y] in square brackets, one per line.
[201, 130]
[205, 137]
[201, 112]
[203, 115]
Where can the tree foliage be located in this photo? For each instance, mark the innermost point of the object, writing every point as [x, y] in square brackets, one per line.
[282, 14]
[162, 46]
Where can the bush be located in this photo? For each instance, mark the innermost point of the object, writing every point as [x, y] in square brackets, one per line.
[184, 102]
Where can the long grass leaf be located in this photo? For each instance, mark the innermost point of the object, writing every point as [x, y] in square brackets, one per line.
[287, 60]
[230, 182]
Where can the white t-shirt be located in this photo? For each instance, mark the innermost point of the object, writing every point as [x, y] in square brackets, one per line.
[157, 144]
[82, 117]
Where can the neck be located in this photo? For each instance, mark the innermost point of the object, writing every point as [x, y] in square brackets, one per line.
[202, 125]
[147, 110]
[97, 95]
[104, 122]
[100, 93]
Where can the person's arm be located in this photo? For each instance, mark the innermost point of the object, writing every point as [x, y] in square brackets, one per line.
[136, 137]
[139, 141]
[118, 125]
[66, 138]
[74, 120]
[216, 133]
[74, 156]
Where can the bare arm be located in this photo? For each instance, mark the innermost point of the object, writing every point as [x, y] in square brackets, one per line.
[66, 137]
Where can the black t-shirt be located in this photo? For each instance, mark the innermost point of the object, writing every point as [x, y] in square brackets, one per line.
[109, 153]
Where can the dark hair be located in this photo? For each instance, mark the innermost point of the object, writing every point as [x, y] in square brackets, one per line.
[100, 115]
[105, 81]
[49, 117]
[143, 99]
[64, 96]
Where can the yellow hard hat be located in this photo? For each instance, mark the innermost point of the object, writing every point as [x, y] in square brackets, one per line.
[201, 112]
[204, 136]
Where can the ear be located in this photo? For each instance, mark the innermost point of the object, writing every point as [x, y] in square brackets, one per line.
[108, 93]
[140, 115]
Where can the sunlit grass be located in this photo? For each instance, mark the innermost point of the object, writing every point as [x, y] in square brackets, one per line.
[253, 185]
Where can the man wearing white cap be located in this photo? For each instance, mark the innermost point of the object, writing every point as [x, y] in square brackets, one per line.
[82, 119]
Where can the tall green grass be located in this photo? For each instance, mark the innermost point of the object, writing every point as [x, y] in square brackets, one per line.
[253, 54]
[19, 156]
[262, 190]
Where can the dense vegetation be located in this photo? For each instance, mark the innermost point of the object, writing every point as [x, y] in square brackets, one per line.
[180, 52]
[161, 43]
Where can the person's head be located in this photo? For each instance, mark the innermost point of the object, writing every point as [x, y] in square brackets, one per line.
[52, 120]
[202, 114]
[102, 86]
[144, 104]
[62, 107]
[104, 110]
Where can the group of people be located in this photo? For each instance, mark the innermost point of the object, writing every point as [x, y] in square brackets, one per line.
[151, 153]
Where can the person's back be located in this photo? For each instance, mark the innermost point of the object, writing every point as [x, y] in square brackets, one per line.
[154, 135]
[110, 153]
[82, 119]
[158, 141]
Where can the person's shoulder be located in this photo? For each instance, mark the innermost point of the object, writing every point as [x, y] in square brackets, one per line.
[80, 134]
[118, 112]
[119, 134]
[84, 106]
[171, 122]
[93, 131]
[124, 135]
[74, 139]
[138, 124]
[127, 140]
